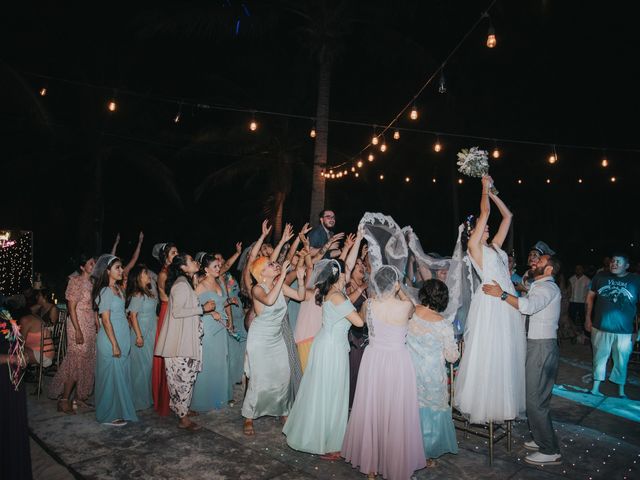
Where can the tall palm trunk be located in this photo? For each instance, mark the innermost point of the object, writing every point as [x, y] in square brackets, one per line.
[322, 137]
[277, 215]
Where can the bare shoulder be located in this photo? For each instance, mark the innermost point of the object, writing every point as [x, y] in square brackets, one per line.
[337, 298]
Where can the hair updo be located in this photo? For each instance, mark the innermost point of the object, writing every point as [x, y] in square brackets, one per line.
[322, 289]
[434, 294]
[469, 225]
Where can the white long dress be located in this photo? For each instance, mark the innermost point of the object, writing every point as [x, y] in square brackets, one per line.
[490, 385]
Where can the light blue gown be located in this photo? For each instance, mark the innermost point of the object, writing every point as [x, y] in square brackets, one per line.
[113, 377]
[293, 307]
[213, 388]
[267, 364]
[431, 345]
[142, 357]
[318, 419]
[237, 346]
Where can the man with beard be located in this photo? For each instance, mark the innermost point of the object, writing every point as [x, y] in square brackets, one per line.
[542, 309]
[322, 233]
[611, 325]
[539, 249]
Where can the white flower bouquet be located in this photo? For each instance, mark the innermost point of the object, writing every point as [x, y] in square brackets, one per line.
[474, 162]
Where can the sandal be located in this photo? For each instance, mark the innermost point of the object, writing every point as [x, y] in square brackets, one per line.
[65, 406]
[333, 456]
[247, 428]
[192, 427]
[191, 413]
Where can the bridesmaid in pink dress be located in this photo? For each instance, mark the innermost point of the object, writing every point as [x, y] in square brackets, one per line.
[383, 435]
[77, 368]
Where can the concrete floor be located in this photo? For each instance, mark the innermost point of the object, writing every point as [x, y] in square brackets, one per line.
[596, 443]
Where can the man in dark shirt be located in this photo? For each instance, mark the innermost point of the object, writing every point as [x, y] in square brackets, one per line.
[320, 235]
[615, 293]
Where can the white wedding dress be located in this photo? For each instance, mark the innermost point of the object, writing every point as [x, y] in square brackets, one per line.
[490, 385]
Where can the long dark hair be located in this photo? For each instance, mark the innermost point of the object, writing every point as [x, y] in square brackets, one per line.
[100, 283]
[133, 284]
[469, 225]
[165, 251]
[322, 289]
[83, 258]
[175, 271]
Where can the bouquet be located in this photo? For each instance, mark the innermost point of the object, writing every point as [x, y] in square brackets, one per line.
[473, 162]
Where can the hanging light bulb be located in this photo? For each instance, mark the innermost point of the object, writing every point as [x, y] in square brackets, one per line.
[312, 133]
[112, 106]
[407, 179]
[553, 158]
[381, 177]
[333, 175]
[357, 174]
[548, 180]
[442, 87]
[359, 164]
[579, 180]
[491, 33]
[383, 145]
[371, 157]
[414, 113]
[374, 140]
[519, 182]
[396, 134]
[353, 169]
[433, 180]
[437, 147]
[177, 118]
[345, 172]
[613, 179]
[43, 91]
[253, 125]
[322, 173]
[495, 153]
[605, 162]
[460, 181]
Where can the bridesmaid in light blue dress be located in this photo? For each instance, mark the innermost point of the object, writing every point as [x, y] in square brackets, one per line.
[237, 344]
[213, 388]
[431, 344]
[318, 419]
[141, 307]
[114, 404]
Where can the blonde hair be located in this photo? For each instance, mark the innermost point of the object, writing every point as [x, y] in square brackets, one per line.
[257, 266]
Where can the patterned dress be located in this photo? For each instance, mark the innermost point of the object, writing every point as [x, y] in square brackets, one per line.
[79, 363]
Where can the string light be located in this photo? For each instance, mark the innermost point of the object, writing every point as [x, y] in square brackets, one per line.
[176, 119]
[553, 158]
[613, 179]
[414, 113]
[360, 163]
[370, 157]
[433, 180]
[381, 177]
[253, 125]
[396, 134]
[312, 133]
[353, 169]
[491, 34]
[374, 138]
[112, 106]
[357, 174]
[442, 87]
[407, 179]
[495, 153]
[604, 163]
[43, 91]
[437, 147]
[460, 181]
[548, 180]
[579, 180]
[383, 145]
[519, 182]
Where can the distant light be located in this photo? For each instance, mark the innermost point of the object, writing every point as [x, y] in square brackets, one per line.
[360, 163]
[552, 159]
[381, 177]
[495, 153]
[43, 91]
[383, 147]
[322, 174]
[407, 179]
[312, 133]
[112, 106]
[333, 175]
[414, 113]
[519, 181]
[345, 172]
[460, 181]
[437, 146]
[442, 87]
[548, 180]
[613, 179]
[433, 180]
[604, 163]
[396, 134]
[353, 169]
[357, 174]
[371, 157]
[177, 118]
[491, 37]
[253, 126]
[374, 139]
[579, 180]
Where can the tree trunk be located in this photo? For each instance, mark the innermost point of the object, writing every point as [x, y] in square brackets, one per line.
[277, 216]
[322, 139]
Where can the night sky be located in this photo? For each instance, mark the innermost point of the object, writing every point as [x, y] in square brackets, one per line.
[562, 74]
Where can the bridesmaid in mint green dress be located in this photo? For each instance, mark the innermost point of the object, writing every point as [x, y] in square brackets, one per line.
[213, 388]
[142, 312]
[114, 404]
[318, 419]
[237, 344]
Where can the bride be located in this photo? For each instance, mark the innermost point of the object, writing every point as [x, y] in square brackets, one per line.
[490, 383]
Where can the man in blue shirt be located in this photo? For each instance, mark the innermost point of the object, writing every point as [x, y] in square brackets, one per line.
[615, 294]
[320, 235]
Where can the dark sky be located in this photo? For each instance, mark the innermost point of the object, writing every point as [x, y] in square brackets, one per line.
[563, 73]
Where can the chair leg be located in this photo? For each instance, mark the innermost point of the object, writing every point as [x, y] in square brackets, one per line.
[491, 443]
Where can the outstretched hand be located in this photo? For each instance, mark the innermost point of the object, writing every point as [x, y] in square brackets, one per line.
[140, 236]
[494, 290]
[487, 182]
[266, 228]
[306, 228]
[239, 247]
[287, 234]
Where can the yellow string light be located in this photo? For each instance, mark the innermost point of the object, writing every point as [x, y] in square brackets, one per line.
[112, 106]
[613, 179]
[407, 179]
[519, 182]
[371, 157]
[605, 162]
[460, 181]
[383, 147]
[437, 147]
[360, 163]
[312, 133]
[43, 91]
[414, 113]
[496, 153]
[433, 180]
[353, 169]
[579, 180]
[396, 134]
[381, 177]
[357, 174]
[548, 180]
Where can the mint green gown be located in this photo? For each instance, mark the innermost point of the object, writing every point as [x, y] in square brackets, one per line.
[213, 388]
[142, 357]
[267, 364]
[318, 419]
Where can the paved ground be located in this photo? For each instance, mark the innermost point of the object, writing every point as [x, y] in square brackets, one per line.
[597, 442]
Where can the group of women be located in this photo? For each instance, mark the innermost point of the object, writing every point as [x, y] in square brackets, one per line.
[349, 352]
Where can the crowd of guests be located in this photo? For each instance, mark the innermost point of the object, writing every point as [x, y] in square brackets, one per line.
[318, 337]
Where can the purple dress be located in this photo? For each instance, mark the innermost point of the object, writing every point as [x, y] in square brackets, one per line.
[383, 434]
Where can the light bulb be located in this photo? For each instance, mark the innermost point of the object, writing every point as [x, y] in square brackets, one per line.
[437, 146]
[442, 87]
[519, 181]
[491, 37]
[333, 175]
[604, 163]
[383, 147]
[433, 180]
[312, 133]
[43, 91]
[353, 169]
[345, 172]
[322, 174]
[396, 134]
[331, 172]
[357, 174]
[460, 181]
[579, 180]
[613, 179]
[548, 180]
[381, 177]
[177, 118]
[253, 126]
[414, 113]
[371, 157]
[359, 164]
[495, 153]
[374, 140]
[407, 179]
[112, 106]
[553, 158]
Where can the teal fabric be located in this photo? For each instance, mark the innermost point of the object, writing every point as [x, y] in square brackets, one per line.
[142, 357]
[113, 376]
[318, 419]
[238, 345]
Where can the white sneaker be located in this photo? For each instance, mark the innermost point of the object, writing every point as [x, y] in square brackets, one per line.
[543, 459]
[532, 445]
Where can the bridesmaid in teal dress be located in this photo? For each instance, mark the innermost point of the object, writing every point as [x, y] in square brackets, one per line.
[141, 306]
[114, 404]
[213, 388]
[238, 343]
[318, 419]
[267, 362]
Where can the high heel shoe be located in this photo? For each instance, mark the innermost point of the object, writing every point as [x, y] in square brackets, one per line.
[64, 405]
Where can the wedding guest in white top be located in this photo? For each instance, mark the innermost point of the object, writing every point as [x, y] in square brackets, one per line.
[579, 289]
[542, 306]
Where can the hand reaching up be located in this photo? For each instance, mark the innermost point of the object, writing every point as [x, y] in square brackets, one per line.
[239, 247]
[287, 234]
[266, 228]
